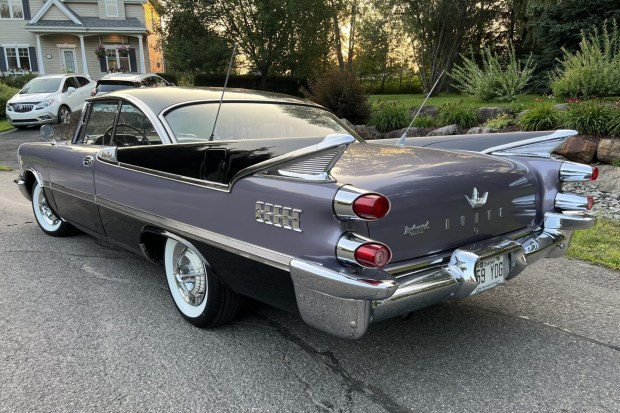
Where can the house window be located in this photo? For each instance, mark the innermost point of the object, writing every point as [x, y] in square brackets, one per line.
[11, 9]
[17, 58]
[116, 62]
[111, 8]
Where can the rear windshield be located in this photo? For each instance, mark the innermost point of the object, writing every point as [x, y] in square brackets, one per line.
[111, 86]
[42, 85]
[241, 121]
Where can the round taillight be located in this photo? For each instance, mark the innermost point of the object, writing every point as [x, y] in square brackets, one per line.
[594, 173]
[590, 202]
[371, 206]
[373, 255]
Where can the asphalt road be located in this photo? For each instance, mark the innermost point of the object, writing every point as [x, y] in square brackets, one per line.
[89, 327]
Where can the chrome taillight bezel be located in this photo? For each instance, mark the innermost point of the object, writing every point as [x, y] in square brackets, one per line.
[344, 201]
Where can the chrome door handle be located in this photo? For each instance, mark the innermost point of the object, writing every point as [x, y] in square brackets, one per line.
[88, 161]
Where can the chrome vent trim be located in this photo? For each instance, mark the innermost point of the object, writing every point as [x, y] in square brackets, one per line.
[540, 147]
[311, 167]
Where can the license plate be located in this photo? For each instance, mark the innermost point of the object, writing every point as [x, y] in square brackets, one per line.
[490, 273]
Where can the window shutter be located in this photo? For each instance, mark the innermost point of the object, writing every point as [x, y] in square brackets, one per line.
[103, 64]
[2, 60]
[133, 67]
[26, 9]
[34, 63]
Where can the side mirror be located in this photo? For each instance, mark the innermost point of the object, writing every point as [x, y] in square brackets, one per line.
[47, 133]
[71, 89]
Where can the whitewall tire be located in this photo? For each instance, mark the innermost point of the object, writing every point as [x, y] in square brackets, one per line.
[201, 298]
[47, 219]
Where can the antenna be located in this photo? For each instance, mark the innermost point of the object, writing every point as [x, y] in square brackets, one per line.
[223, 90]
[401, 141]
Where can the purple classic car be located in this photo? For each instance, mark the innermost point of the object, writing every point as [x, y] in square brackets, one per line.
[280, 201]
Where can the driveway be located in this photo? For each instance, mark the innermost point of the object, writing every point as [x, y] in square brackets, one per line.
[89, 327]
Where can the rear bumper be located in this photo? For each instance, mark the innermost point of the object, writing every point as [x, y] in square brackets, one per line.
[344, 304]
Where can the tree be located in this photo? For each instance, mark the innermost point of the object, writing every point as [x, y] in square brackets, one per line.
[440, 28]
[344, 13]
[190, 42]
[559, 25]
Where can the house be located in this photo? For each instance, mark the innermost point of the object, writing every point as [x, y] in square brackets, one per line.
[79, 36]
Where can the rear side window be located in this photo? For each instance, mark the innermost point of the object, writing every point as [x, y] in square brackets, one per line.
[82, 81]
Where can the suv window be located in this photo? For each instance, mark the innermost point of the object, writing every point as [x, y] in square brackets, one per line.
[82, 81]
[69, 82]
[112, 85]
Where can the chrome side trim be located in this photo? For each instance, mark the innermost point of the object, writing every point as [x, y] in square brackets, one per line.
[519, 147]
[244, 249]
[108, 155]
[84, 196]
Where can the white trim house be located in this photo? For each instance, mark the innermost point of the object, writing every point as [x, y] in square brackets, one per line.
[80, 36]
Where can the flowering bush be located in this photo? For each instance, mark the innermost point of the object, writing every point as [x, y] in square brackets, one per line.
[100, 51]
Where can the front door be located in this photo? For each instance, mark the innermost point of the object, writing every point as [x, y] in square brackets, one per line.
[68, 60]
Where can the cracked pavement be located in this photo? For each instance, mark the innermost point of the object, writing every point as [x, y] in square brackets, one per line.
[85, 326]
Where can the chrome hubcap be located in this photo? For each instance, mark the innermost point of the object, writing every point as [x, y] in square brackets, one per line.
[190, 275]
[46, 212]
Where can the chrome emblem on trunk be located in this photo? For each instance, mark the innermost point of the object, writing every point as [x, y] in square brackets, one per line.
[477, 201]
[416, 229]
[278, 216]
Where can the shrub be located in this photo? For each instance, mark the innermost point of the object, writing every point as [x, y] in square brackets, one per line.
[389, 116]
[590, 117]
[6, 93]
[541, 116]
[340, 92]
[594, 70]
[614, 124]
[500, 122]
[409, 85]
[456, 113]
[501, 78]
[425, 121]
[18, 81]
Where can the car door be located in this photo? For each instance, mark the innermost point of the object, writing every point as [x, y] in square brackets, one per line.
[72, 167]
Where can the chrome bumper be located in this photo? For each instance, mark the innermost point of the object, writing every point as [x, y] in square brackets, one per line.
[344, 304]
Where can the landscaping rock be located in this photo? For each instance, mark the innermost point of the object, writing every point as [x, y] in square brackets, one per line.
[577, 150]
[368, 132]
[608, 150]
[605, 191]
[395, 134]
[446, 130]
[488, 113]
[561, 107]
[479, 129]
[520, 114]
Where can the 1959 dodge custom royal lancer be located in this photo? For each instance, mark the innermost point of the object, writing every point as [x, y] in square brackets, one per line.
[280, 201]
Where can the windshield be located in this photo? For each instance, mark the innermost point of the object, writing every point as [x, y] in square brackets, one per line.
[241, 121]
[42, 85]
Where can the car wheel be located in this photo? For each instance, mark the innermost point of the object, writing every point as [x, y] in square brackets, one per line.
[47, 219]
[64, 114]
[199, 295]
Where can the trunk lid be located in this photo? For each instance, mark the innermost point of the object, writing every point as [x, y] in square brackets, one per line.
[440, 200]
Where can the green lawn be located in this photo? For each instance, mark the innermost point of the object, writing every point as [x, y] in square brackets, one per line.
[411, 101]
[5, 125]
[599, 244]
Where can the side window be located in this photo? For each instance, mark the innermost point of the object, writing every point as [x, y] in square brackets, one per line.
[160, 82]
[82, 81]
[134, 128]
[100, 123]
[69, 82]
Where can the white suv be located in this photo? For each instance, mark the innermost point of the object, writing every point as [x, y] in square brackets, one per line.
[48, 99]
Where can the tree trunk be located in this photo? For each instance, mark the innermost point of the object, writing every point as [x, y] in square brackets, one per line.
[352, 37]
[337, 42]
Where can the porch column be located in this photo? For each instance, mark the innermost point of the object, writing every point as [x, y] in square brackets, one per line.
[142, 66]
[84, 64]
[40, 55]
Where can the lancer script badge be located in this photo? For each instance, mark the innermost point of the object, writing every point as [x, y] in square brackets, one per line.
[476, 201]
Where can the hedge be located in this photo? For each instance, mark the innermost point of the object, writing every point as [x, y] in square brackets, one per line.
[280, 84]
